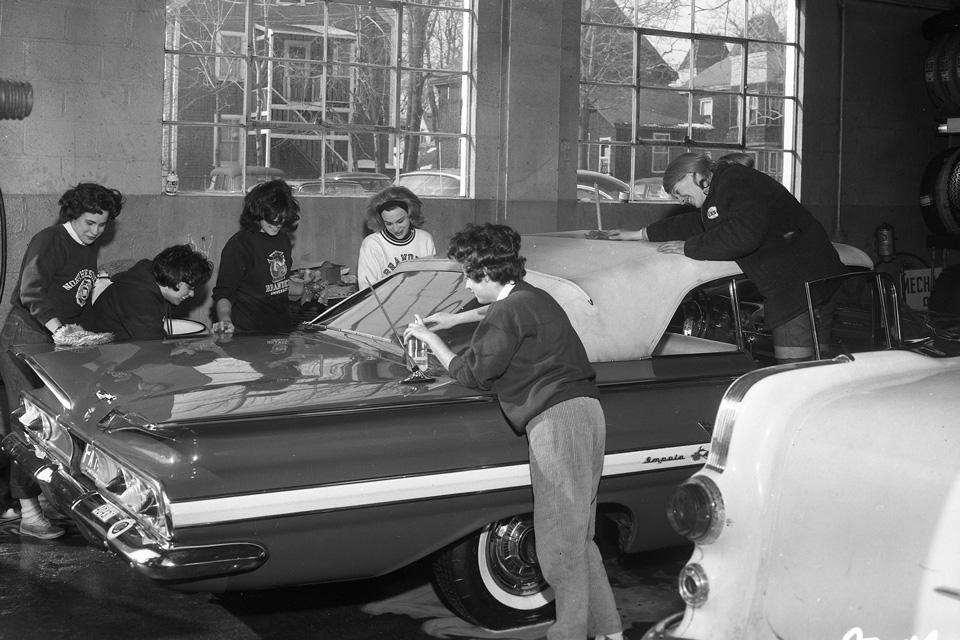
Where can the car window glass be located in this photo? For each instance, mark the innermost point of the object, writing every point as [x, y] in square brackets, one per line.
[865, 314]
[704, 322]
[862, 307]
[403, 295]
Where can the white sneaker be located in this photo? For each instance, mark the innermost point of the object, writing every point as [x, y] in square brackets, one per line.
[9, 515]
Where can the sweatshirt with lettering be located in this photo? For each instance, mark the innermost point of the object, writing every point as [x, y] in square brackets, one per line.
[254, 275]
[381, 253]
[56, 278]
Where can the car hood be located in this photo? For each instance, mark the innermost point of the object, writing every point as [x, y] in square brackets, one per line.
[160, 383]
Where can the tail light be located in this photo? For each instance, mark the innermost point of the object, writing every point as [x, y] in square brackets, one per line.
[696, 510]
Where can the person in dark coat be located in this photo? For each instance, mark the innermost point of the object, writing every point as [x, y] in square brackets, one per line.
[746, 216]
[135, 304]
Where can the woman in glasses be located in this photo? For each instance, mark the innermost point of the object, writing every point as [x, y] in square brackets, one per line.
[394, 217]
[254, 272]
[746, 216]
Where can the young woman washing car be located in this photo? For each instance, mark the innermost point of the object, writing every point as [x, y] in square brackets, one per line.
[254, 275]
[746, 216]
[56, 281]
[526, 350]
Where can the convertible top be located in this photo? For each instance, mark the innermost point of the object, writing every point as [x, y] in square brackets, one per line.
[619, 296]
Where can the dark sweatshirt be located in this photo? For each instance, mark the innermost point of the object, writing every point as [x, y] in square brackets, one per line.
[56, 278]
[132, 307]
[527, 351]
[254, 275]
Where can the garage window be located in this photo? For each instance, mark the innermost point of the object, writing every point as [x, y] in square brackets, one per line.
[690, 75]
[315, 87]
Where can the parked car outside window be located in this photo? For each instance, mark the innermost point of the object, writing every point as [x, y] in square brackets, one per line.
[588, 193]
[651, 190]
[370, 181]
[607, 184]
[330, 188]
[430, 183]
[443, 183]
[229, 178]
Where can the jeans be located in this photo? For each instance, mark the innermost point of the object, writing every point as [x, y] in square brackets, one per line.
[566, 458]
[18, 377]
[793, 340]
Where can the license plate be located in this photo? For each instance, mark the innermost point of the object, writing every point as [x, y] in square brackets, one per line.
[105, 511]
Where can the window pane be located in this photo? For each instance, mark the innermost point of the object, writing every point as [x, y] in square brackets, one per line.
[662, 111]
[720, 17]
[606, 13]
[606, 55]
[765, 68]
[605, 113]
[319, 90]
[703, 71]
[433, 102]
[433, 153]
[433, 39]
[724, 125]
[202, 97]
[665, 53]
[191, 152]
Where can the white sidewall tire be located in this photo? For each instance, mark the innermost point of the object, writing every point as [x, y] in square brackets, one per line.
[522, 603]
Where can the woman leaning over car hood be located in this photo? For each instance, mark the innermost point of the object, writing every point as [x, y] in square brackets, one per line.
[746, 216]
[55, 284]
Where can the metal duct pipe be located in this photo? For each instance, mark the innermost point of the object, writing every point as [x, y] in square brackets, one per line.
[16, 99]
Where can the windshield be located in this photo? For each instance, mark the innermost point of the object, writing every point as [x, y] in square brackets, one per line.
[403, 295]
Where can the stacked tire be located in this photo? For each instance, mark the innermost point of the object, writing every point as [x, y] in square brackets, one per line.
[940, 193]
[941, 72]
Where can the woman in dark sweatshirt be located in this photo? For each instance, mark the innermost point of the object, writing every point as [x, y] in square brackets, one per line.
[134, 305]
[56, 281]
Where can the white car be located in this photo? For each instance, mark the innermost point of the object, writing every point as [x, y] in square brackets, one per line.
[829, 508]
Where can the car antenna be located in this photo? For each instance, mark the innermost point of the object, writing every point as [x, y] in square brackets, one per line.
[418, 375]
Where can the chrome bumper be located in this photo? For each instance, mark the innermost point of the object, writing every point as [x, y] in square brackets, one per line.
[661, 630]
[105, 526]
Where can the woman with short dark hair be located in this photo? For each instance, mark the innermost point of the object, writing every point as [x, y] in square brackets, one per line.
[138, 300]
[526, 350]
[56, 281]
[254, 273]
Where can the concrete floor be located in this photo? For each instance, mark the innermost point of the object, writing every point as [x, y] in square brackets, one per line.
[64, 589]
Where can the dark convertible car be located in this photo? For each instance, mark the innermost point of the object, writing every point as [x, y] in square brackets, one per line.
[215, 464]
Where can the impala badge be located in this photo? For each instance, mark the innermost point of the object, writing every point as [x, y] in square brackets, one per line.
[106, 397]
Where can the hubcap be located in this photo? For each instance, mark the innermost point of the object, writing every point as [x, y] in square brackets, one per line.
[512, 557]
